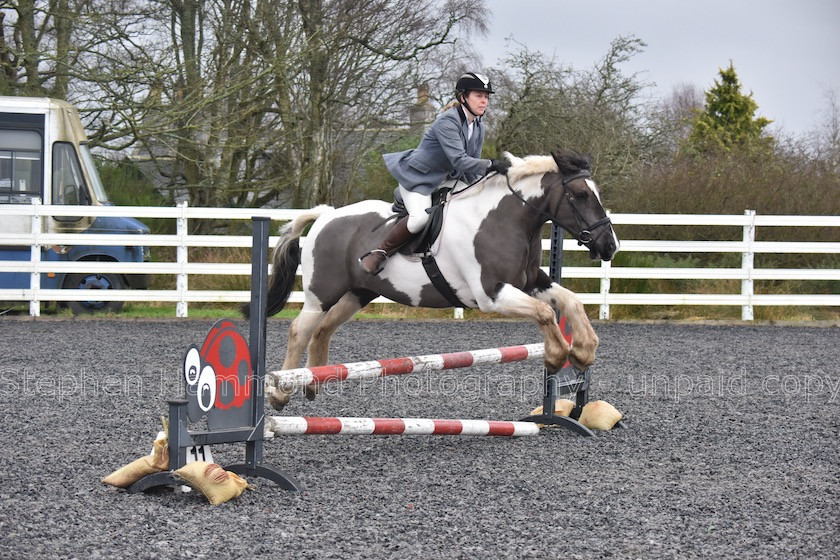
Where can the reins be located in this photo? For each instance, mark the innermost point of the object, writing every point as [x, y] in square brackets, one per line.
[474, 183]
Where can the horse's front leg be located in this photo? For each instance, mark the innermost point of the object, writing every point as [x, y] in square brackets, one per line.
[300, 332]
[514, 302]
[584, 339]
[318, 353]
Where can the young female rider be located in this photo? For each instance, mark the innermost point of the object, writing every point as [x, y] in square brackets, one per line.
[449, 149]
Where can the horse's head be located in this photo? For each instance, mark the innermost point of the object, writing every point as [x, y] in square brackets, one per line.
[574, 203]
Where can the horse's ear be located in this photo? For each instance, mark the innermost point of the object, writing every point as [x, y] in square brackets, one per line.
[561, 159]
[570, 161]
[556, 155]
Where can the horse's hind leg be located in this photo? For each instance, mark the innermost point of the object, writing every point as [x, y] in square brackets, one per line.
[300, 332]
[319, 344]
[584, 339]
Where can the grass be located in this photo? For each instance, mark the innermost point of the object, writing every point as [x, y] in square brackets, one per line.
[400, 312]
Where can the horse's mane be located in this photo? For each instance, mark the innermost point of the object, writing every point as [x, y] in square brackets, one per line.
[565, 161]
[529, 165]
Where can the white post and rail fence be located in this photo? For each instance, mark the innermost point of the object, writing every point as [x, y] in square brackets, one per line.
[182, 268]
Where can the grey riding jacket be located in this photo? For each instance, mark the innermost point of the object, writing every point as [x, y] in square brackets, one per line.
[444, 153]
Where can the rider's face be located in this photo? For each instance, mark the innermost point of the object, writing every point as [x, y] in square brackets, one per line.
[478, 100]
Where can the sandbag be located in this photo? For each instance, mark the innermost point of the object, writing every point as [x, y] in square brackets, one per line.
[155, 462]
[127, 475]
[217, 484]
[599, 415]
[562, 407]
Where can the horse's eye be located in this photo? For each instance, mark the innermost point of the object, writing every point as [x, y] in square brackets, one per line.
[583, 195]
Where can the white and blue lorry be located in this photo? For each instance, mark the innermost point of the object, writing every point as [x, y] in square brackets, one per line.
[44, 155]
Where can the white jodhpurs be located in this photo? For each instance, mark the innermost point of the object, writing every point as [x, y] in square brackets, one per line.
[416, 204]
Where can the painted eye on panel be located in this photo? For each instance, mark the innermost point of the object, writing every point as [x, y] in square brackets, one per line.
[206, 389]
[192, 366]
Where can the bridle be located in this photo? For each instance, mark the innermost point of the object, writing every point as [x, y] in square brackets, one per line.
[584, 234]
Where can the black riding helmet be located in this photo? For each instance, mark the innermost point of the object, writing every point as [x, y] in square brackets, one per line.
[471, 82]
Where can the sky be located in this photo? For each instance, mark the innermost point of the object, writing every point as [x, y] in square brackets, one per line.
[786, 52]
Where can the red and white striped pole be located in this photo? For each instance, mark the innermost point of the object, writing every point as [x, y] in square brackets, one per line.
[300, 377]
[309, 425]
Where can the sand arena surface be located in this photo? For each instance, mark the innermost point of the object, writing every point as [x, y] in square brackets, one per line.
[731, 449]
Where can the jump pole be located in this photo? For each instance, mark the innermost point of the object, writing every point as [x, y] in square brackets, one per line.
[312, 425]
[301, 377]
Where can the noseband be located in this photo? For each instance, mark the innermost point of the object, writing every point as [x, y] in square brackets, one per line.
[584, 235]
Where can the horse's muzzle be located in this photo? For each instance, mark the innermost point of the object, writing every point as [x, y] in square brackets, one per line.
[603, 246]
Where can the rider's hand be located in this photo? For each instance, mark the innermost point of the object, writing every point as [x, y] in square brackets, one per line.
[500, 166]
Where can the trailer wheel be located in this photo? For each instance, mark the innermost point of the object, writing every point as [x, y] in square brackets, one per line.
[94, 282]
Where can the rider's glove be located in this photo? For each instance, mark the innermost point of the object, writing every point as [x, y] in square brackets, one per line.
[500, 166]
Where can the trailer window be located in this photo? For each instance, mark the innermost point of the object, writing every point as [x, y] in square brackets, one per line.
[68, 183]
[20, 166]
[96, 182]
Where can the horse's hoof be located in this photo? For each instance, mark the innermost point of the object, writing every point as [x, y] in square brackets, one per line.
[579, 364]
[277, 398]
[311, 392]
[552, 368]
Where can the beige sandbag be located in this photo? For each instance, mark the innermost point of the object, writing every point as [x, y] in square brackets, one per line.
[599, 415]
[562, 407]
[127, 475]
[217, 484]
[157, 461]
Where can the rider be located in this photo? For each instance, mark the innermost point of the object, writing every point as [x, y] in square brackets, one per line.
[449, 149]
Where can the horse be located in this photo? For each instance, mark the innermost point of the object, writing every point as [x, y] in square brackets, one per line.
[488, 250]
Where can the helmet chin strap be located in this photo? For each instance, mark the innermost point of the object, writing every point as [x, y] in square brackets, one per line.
[467, 106]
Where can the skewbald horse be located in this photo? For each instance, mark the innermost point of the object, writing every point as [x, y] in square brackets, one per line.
[489, 250]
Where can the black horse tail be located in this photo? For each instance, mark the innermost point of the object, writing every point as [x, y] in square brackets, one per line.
[285, 262]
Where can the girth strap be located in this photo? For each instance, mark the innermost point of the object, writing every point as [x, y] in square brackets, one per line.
[439, 282]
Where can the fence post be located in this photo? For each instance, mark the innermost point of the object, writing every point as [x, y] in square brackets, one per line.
[604, 312]
[182, 257]
[35, 259]
[747, 267]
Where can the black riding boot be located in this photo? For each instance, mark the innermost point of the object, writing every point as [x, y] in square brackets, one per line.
[374, 261]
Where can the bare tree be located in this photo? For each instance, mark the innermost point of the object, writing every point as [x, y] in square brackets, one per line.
[235, 102]
[672, 119]
[547, 105]
[262, 102]
[825, 141]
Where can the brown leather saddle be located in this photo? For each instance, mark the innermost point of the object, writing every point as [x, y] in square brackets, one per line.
[422, 242]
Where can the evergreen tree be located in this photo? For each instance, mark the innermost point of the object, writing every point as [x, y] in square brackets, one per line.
[728, 121]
